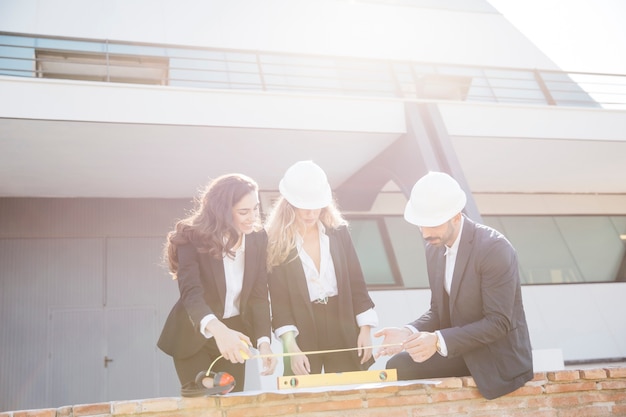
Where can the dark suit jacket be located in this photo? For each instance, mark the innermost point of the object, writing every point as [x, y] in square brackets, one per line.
[488, 324]
[202, 285]
[291, 304]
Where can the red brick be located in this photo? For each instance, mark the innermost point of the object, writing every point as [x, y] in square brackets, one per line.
[398, 412]
[271, 396]
[65, 411]
[340, 395]
[300, 395]
[262, 411]
[559, 376]
[398, 401]
[581, 393]
[535, 413]
[417, 389]
[610, 384]
[47, 412]
[449, 383]
[125, 407]
[527, 390]
[545, 401]
[343, 405]
[198, 412]
[235, 400]
[515, 412]
[570, 387]
[614, 396]
[91, 409]
[465, 394]
[468, 382]
[185, 403]
[155, 405]
[593, 374]
[616, 372]
[587, 411]
[386, 389]
[490, 406]
[564, 401]
[439, 409]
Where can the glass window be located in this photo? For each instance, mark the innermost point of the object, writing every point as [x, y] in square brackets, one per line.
[566, 249]
[390, 250]
[371, 247]
[17, 56]
[408, 247]
[551, 249]
[102, 67]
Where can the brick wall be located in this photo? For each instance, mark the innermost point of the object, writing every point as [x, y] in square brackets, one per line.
[571, 393]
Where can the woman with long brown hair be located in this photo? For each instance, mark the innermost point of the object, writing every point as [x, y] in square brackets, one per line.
[217, 255]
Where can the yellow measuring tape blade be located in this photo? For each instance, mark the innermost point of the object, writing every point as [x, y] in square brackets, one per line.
[339, 378]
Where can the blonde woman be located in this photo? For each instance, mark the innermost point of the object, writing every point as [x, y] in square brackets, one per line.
[318, 294]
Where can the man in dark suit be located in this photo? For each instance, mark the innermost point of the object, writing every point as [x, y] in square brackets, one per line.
[476, 323]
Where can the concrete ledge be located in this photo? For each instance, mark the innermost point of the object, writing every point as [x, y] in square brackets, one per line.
[589, 392]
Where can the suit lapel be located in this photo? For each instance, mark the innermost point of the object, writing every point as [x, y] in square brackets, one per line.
[335, 256]
[217, 267]
[462, 259]
[299, 280]
[249, 266]
[440, 267]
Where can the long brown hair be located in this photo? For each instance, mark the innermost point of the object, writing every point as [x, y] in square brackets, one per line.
[210, 226]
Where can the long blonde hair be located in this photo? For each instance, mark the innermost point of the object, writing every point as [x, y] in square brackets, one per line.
[281, 229]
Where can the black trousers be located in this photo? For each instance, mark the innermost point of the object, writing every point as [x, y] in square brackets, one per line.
[435, 367]
[329, 337]
[188, 368]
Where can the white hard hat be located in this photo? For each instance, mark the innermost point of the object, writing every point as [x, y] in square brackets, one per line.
[435, 199]
[305, 186]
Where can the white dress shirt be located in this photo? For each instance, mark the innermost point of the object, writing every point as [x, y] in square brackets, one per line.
[233, 272]
[323, 283]
[450, 255]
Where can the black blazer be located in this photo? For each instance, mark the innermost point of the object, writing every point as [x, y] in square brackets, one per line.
[291, 304]
[489, 327]
[202, 284]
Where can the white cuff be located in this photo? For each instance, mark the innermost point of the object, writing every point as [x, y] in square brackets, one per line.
[263, 340]
[412, 328]
[286, 329]
[205, 320]
[367, 318]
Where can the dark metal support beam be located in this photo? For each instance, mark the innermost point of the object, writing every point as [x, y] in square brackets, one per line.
[425, 147]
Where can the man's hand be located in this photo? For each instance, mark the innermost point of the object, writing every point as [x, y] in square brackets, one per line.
[392, 336]
[421, 346]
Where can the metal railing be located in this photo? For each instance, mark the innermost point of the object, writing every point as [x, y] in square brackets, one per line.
[108, 61]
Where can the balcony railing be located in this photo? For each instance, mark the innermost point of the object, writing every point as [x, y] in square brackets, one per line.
[108, 61]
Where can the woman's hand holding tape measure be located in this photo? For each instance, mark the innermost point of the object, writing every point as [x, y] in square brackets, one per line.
[234, 346]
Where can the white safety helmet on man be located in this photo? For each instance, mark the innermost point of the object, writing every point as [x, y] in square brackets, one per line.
[435, 199]
[305, 186]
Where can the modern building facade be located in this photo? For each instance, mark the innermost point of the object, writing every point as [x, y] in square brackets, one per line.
[113, 114]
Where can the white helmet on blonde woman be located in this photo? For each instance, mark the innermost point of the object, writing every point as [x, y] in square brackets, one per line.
[435, 199]
[305, 186]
